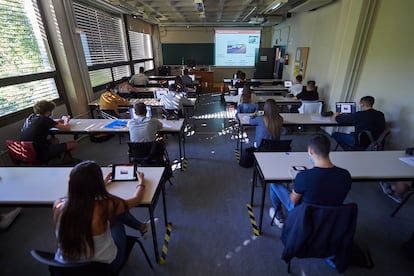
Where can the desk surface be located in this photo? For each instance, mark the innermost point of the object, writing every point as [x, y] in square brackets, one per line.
[43, 185]
[255, 80]
[362, 165]
[261, 99]
[98, 125]
[269, 88]
[147, 101]
[297, 119]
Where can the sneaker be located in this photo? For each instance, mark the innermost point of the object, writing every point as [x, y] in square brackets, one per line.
[386, 187]
[7, 219]
[147, 231]
[277, 220]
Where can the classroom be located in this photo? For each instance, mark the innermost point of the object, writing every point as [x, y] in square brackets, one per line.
[213, 214]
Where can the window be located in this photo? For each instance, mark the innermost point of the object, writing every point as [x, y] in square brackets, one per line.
[141, 49]
[27, 71]
[103, 44]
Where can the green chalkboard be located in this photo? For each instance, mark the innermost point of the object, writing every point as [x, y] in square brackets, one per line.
[188, 53]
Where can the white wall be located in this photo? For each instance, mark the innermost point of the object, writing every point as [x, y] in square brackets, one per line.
[388, 68]
[352, 56]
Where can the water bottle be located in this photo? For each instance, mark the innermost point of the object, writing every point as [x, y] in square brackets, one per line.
[149, 112]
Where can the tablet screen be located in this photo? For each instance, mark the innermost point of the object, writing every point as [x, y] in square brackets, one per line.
[124, 172]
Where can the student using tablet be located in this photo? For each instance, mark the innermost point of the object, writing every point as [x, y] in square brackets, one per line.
[90, 221]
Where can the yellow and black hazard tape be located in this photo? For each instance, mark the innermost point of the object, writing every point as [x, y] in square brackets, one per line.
[185, 164]
[236, 152]
[252, 220]
[165, 245]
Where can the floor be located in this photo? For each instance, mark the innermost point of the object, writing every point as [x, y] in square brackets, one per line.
[211, 232]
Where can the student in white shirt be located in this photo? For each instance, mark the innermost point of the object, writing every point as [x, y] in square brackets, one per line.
[139, 79]
[297, 87]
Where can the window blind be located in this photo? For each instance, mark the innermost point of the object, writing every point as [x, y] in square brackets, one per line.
[103, 40]
[141, 45]
[24, 53]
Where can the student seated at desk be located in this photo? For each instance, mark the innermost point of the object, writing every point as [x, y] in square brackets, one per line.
[142, 128]
[241, 80]
[174, 102]
[140, 79]
[246, 104]
[249, 94]
[90, 221]
[297, 87]
[36, 129]
[178, 85]
[186, 79]
[109, 102]
[125, 87]
[313, 186]
[366, 119]
[309, 92]
[268, 125]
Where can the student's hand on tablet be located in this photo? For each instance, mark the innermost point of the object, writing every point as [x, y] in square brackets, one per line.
[107, 178]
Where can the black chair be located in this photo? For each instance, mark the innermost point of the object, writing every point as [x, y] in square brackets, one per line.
[150, 154]
[314, 231]
[275, 145]
[367, 142]
[83, 269]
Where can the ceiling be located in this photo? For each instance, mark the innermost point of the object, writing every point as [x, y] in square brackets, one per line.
[206, 12]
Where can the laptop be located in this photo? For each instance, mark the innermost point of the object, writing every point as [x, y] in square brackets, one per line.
[171, 82]
[345, 107]
[192, 77]
[159, 94]
[288, 84]
[124, 172]
[132, 114]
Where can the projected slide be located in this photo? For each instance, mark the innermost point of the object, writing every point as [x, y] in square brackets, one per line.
[236, 47]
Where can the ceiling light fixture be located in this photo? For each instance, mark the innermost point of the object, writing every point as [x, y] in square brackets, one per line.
[250, 13]
[274, 6]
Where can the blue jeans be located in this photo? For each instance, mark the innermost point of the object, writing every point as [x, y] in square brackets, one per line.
[345, 140]
[279, 194]
[119, 236]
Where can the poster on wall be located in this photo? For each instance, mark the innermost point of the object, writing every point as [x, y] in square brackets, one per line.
[301, 61]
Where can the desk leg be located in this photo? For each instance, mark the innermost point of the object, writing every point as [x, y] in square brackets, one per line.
[241, 142]
[180, 138]
[164, 205]
[402, 203]
[154, 234]
[254, 181]
[262, 207]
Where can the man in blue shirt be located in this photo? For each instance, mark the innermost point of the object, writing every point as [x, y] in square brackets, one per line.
[324, 184]
[366, 119]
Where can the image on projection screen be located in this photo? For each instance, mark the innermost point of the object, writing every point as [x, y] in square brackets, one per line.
[236, 47]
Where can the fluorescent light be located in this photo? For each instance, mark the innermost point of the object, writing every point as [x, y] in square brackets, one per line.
[274, 6]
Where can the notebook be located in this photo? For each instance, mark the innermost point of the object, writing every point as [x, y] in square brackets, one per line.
[117, 124]
[124, 172]
[288, 84]
[345, 107]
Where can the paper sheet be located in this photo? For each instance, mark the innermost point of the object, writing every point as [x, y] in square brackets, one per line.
[408, 160]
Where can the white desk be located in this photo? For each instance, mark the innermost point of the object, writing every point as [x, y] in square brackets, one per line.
[88, 126]
[280, 100]
[41, 186]
[289, 119]
[273, 167]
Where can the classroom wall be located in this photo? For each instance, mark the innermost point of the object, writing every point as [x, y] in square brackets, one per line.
[387, 68]
[353, 54]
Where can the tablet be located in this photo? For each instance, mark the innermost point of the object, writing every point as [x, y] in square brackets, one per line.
[124, 172]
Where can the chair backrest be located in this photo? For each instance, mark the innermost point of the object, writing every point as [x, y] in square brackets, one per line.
[367, 142]
[314, 231]
[70, 269]
[310, 107]
[275, 145]
[105, 115]
[146, 153]
[21, 152]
